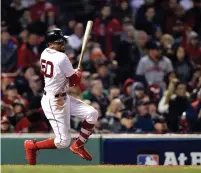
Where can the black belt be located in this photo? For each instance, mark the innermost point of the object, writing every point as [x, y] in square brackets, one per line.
[57, 95]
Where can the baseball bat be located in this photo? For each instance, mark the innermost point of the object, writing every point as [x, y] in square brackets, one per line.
[85, 40]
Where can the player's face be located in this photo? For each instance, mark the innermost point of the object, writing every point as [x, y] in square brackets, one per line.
[60, 46]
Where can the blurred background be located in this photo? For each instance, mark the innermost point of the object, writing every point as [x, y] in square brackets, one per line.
[141, 69]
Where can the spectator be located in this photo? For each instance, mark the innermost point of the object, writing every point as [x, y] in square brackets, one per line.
[22, 78]
[138, 94]
[51, 18]
[39, 8]
[193, 114]
[193, 49]
[123, 11]
[126, 54]
[33, 123]
[134, 92]
[195, 78]
[105, 76]
[193, 15]
[173, 19]
[8, 53]
[97, 94]
[126, 90]
[5, 126]
[28, 53]
[40, 19]
[113, 116]
[155, 92]
[167, 42]
[160, 125]
[144, 122]
[178, 30]
[141, 39]
[149, 21]
[23, 37]
[154, 66]
[105, 30]
[14, 13]
[11, 95]
[68, 30]
[18, 113]
[5, 81]
[35, 94]
[158, 16]
[26, 20]
[157, 36]
[75, 40]
[182, 66]
[152, 109]
[38, 125]
[96, 56]
[114, 92]
[127, 122]
[174, 103]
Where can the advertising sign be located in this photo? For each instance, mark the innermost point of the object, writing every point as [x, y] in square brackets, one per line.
[152, 151]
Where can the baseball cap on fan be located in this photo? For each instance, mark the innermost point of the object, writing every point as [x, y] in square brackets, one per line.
[56, 35]
[153, 45]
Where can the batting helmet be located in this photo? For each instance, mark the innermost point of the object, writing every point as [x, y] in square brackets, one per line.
[55, 35]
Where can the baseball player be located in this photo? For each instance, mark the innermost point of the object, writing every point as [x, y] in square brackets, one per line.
[58, 105]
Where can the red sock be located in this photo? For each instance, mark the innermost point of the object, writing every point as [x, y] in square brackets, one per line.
[85, 132]
[46, 144]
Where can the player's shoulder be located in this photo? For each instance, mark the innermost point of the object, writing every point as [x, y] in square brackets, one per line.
[51, 52]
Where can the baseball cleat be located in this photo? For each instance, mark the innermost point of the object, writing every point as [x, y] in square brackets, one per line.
[31, 150]
[80, 150]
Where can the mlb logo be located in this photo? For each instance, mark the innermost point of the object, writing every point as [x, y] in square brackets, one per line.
[147, 159]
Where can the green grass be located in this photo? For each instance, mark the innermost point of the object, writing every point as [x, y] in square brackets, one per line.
[97, 169]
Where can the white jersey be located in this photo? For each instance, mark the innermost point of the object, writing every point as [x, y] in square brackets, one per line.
[56, 68]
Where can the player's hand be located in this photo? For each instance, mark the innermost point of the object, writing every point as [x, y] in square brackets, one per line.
[78, 72]
[75, 79]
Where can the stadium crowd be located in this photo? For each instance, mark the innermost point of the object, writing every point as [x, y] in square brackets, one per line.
[141, 69]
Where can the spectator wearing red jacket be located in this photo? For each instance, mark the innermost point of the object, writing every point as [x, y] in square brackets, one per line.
[32, 123]
[39, 9]
[11, 95]
[28, 53]
[173, 18]
[105, 30]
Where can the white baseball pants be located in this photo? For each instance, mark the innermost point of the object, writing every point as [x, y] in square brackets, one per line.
[59, 117]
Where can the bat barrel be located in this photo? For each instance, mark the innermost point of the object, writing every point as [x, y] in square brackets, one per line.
[85, 40]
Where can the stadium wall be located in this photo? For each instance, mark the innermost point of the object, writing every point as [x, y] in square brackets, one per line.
[168, 149]
[12, 151]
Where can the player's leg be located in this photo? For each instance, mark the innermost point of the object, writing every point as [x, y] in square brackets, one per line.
[89, 116]
[56, 116]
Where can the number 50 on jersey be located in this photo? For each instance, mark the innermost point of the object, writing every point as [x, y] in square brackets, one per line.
[47, 68]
